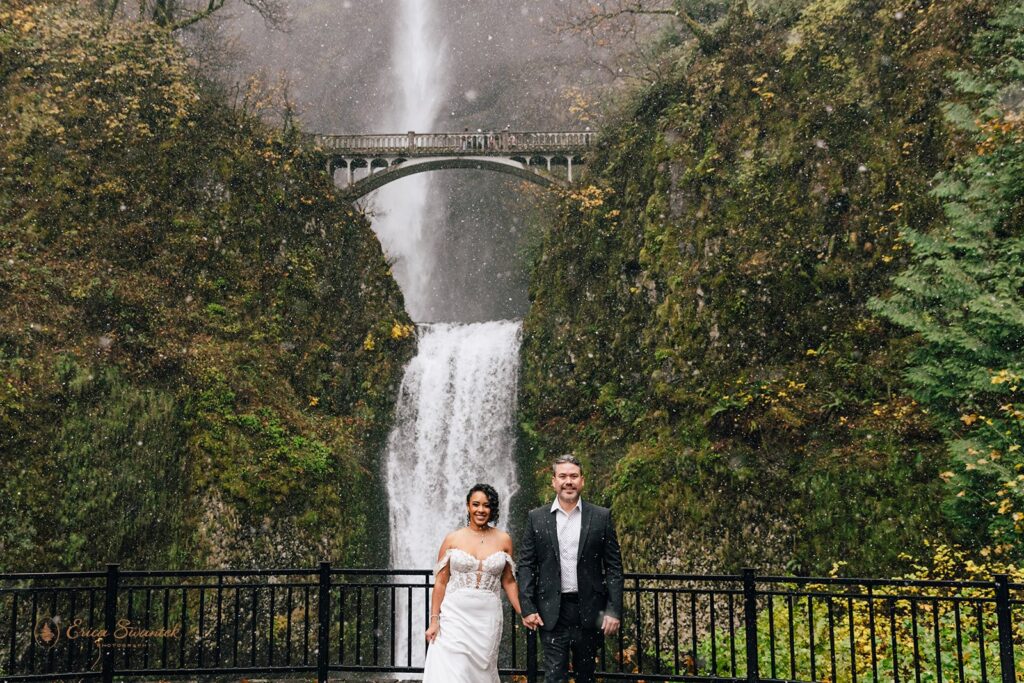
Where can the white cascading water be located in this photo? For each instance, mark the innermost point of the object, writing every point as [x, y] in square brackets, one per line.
[417, 69]
[455, 413]
[454, 427]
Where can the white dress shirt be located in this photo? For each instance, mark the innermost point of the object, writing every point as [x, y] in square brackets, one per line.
[568, 528]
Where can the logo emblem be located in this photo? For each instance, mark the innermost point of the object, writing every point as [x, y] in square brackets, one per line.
[47, 632]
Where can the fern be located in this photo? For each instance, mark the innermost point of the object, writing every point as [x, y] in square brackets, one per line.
[962, 295]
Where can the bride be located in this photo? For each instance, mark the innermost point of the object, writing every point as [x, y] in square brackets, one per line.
[474, 563]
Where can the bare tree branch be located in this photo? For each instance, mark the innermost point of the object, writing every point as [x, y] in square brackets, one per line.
[211, 7]
[611, 23]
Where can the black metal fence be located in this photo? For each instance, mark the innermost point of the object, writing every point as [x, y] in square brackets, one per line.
[134, 625]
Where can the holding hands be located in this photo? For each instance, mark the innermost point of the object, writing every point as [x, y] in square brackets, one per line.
[532, 621]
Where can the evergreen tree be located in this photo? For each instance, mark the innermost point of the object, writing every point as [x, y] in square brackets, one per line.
[962, 294]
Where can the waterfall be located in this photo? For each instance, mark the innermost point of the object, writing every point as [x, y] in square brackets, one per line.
[455, 412]
[454, 427]
[417, 69]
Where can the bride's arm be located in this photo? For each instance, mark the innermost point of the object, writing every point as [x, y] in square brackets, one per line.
[437, 595]
[508, 580]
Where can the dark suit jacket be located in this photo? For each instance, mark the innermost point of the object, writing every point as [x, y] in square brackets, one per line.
[598, 567]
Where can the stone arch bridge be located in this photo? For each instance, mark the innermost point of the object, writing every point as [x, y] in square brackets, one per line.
[371, 161]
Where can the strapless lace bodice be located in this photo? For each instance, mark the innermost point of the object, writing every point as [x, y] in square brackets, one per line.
[467, 572]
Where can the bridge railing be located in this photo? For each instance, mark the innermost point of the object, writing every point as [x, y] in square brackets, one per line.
[423, 144]
[152, 625]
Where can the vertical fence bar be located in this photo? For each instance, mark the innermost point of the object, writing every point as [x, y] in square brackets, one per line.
[959, 640]
[639, 627]
[270, 647]
[238, 618]
[792, 644]
[376, 625]
[693, 633]
[979, 608]
[288, 626]
[657, 634]
[341, 624]
[853, 644]
[323, 622]
[771, 634]
[1005, 625]
[750, 624]
[408, 627]
[895, 652]
[33, 620]
[53, 613]
[145, 625]
[675, 635]
[109, 622]
[732, 637]
[306, 618]
[714, 640]
[531, 656]
[14, 632]
[871, 630]
[829, 606]
[914, 636]
[254, 622]
[201, 633]
[72, 610]
[167, 614]
[220, 617]
[810, 636]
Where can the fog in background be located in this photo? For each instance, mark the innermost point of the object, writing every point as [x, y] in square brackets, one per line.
[504, 65]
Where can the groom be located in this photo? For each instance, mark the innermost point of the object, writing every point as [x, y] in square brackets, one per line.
[570, 576]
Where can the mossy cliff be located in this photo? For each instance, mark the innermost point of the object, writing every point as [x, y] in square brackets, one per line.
[699, 330]
[199, 343]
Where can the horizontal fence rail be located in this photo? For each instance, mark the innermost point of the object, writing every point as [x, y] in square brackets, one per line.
[466, 143]
[324, 622]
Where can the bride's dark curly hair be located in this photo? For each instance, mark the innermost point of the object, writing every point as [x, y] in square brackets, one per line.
[492, 499]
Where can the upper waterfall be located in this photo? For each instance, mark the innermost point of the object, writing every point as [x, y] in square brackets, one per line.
[417, 76]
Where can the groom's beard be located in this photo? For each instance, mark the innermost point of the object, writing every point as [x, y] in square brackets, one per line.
[569, 495]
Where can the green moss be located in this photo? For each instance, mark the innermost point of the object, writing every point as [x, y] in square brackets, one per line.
[708, 352]
[184, 381]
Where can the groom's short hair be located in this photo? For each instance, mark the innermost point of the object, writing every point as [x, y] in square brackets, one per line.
[566, 459]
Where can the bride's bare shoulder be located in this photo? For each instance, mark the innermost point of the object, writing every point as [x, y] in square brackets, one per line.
[450, 541]
[453, 539]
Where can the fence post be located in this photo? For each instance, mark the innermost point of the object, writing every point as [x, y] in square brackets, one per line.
[109, 622]
[323, 609]
[750, 623]
[1005, 622]
[531, 655]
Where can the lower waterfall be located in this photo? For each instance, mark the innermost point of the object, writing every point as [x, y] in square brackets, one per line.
[454, 427]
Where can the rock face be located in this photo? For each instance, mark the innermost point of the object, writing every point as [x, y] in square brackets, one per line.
[698, 330]
[200, 344]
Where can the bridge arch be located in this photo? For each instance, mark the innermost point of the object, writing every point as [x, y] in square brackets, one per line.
[529, 155]
[410, 167]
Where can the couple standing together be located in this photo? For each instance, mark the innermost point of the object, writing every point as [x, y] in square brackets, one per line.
[570, 585]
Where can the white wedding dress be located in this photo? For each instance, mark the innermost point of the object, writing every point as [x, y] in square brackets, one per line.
[466, 648]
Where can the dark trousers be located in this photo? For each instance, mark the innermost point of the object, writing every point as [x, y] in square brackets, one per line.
[569, 637]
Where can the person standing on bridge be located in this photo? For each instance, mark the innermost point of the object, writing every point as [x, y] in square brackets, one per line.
[570, 573]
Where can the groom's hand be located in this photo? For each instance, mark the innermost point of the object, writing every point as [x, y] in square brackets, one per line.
[610, 626]
[533, 621]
